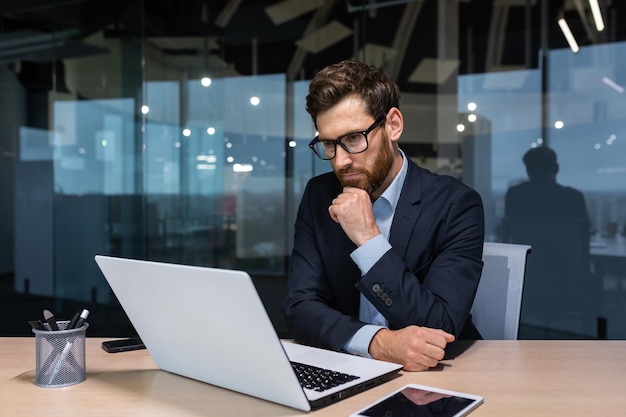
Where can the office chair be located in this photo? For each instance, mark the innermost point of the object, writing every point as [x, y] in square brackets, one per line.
[561, 292]
[497, 305]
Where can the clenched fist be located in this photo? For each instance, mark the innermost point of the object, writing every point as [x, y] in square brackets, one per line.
[415, 348]
[352, 209]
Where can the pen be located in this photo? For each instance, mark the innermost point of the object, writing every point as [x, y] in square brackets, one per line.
[68, 346]
[65, 354]
[81, 319]
[47, 314]
[37, 325]
[74, 321]
[57, 367]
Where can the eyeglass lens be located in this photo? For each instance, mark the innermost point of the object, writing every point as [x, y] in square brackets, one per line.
[355, 142]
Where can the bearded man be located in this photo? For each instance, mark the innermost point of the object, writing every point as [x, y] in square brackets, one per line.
[387, 255]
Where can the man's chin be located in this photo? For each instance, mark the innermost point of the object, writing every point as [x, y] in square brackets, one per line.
[353, 183]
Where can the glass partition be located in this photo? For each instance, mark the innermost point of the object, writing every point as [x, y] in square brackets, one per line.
[177, 132]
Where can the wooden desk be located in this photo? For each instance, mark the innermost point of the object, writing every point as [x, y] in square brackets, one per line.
[517, 378]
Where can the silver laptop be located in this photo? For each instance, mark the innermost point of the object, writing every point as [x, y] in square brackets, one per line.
[209, 324]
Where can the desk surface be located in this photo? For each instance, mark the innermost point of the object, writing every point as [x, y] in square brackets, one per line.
[517, 378]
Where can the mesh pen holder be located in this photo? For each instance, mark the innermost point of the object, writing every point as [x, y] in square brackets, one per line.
[60, 356]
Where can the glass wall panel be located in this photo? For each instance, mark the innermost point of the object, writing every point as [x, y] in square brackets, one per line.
[94, 171]
[586, 128]
[575, 270]
[177, 132]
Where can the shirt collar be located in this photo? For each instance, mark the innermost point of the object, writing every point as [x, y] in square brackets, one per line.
[392, 193]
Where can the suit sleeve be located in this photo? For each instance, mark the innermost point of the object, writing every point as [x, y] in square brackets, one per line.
[438, 289]
[318, 312]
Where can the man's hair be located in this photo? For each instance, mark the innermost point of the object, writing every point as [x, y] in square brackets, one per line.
[541, 162]
[340, 80]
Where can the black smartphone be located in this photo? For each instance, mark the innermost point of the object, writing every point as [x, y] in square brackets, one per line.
[123, 345]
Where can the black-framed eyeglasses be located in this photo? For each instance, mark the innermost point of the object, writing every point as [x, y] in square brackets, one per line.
[354, 142]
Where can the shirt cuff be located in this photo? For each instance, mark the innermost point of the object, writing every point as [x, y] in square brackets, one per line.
[366, 255]
[359, 343]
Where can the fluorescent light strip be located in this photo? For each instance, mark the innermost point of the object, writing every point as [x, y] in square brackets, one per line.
[205, 167]
[242, 168]
[597, 15]
[569, 36]
[613, 84]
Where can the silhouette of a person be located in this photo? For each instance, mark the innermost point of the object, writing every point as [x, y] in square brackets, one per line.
[553, 219]
[541, 198]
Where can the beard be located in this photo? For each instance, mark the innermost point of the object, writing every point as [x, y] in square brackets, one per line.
[374, 176]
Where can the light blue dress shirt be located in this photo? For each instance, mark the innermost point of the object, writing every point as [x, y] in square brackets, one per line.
[368, 254]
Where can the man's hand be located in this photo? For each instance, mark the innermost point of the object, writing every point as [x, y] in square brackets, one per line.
[415, 348]
[352, 209]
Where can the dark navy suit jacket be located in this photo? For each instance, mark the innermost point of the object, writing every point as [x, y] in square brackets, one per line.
[428, 278]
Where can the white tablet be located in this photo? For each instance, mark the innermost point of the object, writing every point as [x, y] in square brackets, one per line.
[420, 400]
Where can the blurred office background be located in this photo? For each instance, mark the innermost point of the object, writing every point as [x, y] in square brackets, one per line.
[175, 131]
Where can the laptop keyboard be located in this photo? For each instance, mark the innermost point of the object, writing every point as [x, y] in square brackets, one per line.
[320, 379]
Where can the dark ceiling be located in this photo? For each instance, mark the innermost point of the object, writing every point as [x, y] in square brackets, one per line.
[492, 34]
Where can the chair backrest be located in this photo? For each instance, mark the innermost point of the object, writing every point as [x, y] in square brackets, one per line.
[560, 291]
[497, 305]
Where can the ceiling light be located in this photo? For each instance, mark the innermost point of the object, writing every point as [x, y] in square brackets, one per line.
[615, 86]
[597, 15]
[206, 158]
[569, 36]
[242, 168]
[204, 167]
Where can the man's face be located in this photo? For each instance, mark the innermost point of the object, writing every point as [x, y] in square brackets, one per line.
[367, 170]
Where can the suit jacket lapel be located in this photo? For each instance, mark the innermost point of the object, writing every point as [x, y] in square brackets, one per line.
[407, 211]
